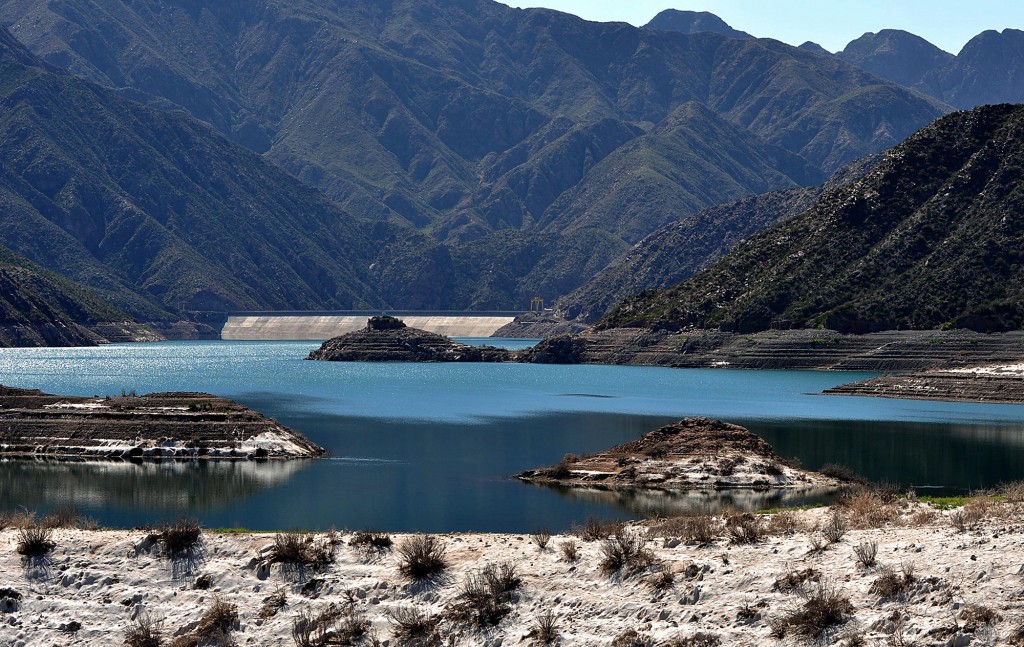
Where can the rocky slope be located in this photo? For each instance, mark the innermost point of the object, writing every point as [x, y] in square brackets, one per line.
[155, 211]
[40, 308]
[694, 22]
[502, 153]
[695, 453]
[158, 425]
[896, 55]
[930, 238]
[991, 384]
[386, 339]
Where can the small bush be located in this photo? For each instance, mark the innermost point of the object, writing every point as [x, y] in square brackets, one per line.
[68, 517]
[412, 626]
[890, 584]
[422, 557]
[795, 580]
[784, 523]
[35, 541]
[298, 551]
[632, 638]
[958, 519]
[976, 616]
[866, 552]
[835, 529]
[744, 528]
[331, 626]
[699, 639]
[371, 540]
[625, 553]
[486, 597]
[662, 580]
[182, 538]
[213, 628]
[272, 604]
[541, 538]
[143, 632]
[824, 608]
[702, 530]
[570, 550]
[545, 629]
[596, 529]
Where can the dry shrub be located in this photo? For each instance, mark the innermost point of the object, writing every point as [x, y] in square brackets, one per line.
[835, 528]
[411, 626]
[372, 541]
[869, 508]
[976, 616]
[923, 518]
[824, 608]
[891, 584]
[541, 538]
[699, 639]
[744, 528]
[866, 553]
[214, 627]
[978, 508]
[300, 550]
[795, 580]
[702, 530]
[625, 553]
[596, 529]
[144, 632]
[182, 538]
[958, 519]
[1013, 492]
[69, 517]
[331, 626]
[421, 557]
[570, 550]
[35, 541]
[632, 638]
[18, 520]
[545, 629]
[486, 597]
[663, 580]
[785, 523]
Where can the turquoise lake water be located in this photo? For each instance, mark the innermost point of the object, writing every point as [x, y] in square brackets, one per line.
[432, 447]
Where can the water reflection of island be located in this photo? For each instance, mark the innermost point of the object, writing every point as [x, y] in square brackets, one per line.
[667, 503]
[158, 486]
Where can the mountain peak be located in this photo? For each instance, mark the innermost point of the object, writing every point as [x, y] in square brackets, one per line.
[694, 22]
[896, 55]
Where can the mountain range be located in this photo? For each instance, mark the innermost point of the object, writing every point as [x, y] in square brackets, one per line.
[456, 154]
[931, 237]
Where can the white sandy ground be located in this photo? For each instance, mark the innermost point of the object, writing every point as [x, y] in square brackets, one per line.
[996, 370]
[97, 579]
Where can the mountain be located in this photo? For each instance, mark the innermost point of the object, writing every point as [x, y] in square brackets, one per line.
[989, 69]
[694, 22]
[680, 249]
[931, 237]
[158, 212]
[40, 308]
[504, 152]
[896, 55]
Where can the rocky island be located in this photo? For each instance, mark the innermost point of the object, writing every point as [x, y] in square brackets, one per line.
[694, 453]
[180, 425]
[387, 339]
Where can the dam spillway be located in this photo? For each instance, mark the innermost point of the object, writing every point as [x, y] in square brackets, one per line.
[320, 327]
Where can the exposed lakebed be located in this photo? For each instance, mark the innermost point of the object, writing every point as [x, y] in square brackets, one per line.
[433, 446]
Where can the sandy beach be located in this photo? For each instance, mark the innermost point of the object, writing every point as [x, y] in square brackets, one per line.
[940, 577]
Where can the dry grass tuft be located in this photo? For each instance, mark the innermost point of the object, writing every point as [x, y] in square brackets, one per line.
[541, 538]
[632, 638]
[69, 517]
[411, 626]
[596, 529]
[699, 639]
[486, 597]
[570, 550]
[299, 551]
[181, 538]
[745, 528]
[272, 604]
[545, 629]
[214, 627]
[976, 616]
[795, 580]
[331, 626]
[869, 508]
[144, 632]
[625, 554]
[824, 609]
[372, 541]
[421, 557]
[866, 553]
[35, 542]
[891, 584]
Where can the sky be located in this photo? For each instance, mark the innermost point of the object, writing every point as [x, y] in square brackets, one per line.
[832, 24]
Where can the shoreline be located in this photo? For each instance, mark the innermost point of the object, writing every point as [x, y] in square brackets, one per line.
[964, 584]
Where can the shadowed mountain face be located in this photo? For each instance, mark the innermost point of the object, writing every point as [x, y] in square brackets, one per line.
[156, 211]
[503, 153]
[932, 236]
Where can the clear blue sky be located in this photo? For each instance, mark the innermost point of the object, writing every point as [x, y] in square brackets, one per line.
[830, 23]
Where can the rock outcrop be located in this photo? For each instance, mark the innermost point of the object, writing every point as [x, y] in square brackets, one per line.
[387, 339]
[181, 425]
[695, 453]
[990, 384]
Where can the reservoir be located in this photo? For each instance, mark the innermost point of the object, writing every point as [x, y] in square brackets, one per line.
[433, 447]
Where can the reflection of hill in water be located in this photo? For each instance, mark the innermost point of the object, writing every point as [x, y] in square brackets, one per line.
[165, 485]
[650, 503]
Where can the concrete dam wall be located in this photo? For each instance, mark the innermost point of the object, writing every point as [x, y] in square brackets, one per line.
[261, 327]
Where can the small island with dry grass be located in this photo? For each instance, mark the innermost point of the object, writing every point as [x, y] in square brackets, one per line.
[694, 453]
[387, 339]
[182, 425]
